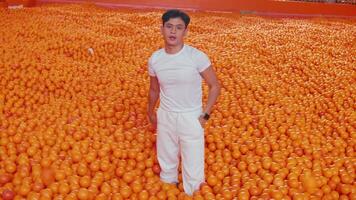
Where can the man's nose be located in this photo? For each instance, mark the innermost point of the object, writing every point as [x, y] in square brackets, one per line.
[174, 29]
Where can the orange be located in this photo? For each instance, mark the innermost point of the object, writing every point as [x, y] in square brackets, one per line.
[212, 180]
[83, 194]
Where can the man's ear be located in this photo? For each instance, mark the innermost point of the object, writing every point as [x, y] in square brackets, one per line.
[185, 32]
[162, 29]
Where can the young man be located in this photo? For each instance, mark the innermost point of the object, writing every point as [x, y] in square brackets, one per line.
[176, 73]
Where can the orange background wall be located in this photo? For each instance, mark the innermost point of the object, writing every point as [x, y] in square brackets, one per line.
[260, 6]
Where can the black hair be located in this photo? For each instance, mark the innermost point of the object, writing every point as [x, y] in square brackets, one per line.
[174, 13]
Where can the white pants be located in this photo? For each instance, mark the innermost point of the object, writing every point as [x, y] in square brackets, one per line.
[181, 133]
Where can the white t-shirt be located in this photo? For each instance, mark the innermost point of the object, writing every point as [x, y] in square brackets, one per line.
[179, 78]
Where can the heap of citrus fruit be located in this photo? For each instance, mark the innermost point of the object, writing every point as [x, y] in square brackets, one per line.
[73, 95]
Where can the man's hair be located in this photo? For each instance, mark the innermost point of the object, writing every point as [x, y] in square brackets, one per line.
[174, 13]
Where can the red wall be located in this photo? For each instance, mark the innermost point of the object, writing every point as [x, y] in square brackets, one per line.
[286, 7]
[259, 6]
[3, 4]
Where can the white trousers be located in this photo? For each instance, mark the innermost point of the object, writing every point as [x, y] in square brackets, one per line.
[180, 134]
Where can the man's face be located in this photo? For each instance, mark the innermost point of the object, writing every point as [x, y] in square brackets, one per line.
[173, 31]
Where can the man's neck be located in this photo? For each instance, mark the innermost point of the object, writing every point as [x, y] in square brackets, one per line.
[173, 49]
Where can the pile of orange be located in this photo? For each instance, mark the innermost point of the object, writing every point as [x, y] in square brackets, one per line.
[73, 95]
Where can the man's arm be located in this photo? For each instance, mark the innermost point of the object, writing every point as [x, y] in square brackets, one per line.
[153, 96]
[214, 89]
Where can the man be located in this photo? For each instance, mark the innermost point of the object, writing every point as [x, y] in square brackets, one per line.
[176, 73]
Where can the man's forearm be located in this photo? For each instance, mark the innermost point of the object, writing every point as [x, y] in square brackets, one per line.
[214, 93]
[152, 100]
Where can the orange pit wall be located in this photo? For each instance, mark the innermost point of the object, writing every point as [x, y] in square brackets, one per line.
[263, 7]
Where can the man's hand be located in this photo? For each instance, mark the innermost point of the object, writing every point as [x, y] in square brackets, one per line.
[202, 120]
[152, 118]
[153, 96]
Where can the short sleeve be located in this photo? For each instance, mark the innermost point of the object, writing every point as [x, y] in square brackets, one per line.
[202, 61]
[151, 71]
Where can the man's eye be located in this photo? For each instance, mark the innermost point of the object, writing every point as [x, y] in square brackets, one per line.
[180, 27]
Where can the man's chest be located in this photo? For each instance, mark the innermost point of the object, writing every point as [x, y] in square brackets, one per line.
[171, 72]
